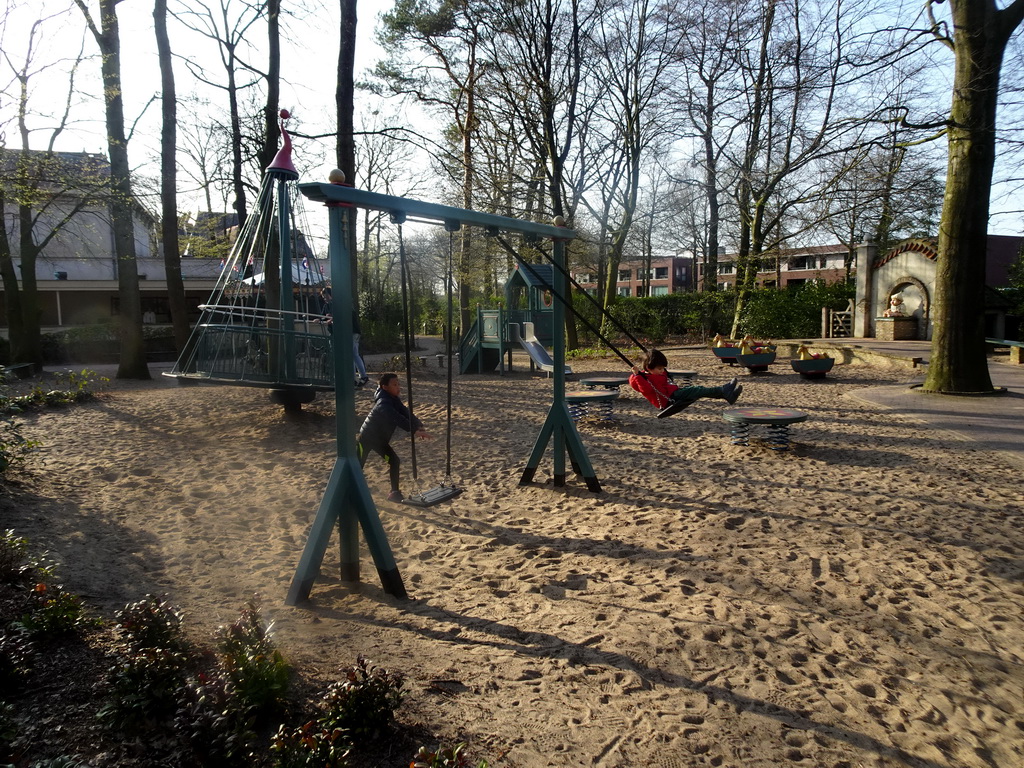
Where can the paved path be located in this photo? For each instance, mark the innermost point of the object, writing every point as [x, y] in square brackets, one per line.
[994, 423]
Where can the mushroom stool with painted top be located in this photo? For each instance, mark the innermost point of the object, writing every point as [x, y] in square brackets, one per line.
[587, 403]
[608, 383]
[777, 420]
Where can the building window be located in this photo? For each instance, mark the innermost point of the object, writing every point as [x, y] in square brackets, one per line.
[583, 278]
[659, 290]
[623, 275]
[726, 268]
[661, 273]
[624, 290]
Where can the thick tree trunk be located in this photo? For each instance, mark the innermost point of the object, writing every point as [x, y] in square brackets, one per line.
[958, 362]
[169, 181]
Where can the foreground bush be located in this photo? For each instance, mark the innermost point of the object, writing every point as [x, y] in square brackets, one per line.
[163, 699]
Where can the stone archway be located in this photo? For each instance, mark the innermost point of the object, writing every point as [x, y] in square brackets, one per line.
[916, 298]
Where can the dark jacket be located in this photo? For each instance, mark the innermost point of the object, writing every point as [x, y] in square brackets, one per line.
[388, 412]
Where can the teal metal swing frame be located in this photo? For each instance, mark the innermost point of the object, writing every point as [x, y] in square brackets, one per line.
[347, 501]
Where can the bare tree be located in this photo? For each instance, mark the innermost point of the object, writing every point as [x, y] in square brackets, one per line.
[202, 140]
[711, 35]
[132, 363]
[344, 96]
[169, 180]
[46, 191]
[445, 76]
[637, 50]
[227, 25]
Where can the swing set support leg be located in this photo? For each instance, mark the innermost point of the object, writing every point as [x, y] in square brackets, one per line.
[346, 502]
[560, 427]
[559, 424]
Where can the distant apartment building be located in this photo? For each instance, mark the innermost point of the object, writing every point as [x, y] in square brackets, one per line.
[635, 278]
[787, 266]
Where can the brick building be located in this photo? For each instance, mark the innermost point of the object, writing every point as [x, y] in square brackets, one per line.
[664, 276]
[825, 263]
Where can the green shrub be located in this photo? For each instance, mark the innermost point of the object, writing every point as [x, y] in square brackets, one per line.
[218, 730]
[14, 446]
[15, 566]
[145, 688]
[17, 652]
[8, 727]
[793, 312]
[255, 668]
[692, 316]
[310, 746]
[59, 762]
[445, 757]
[55, 611]
[364, 702]
[151, 623]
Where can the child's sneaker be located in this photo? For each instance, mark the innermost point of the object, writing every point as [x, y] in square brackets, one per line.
[396, 496]
[732, 391]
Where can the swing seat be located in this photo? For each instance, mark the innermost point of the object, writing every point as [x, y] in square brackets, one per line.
[437, 495]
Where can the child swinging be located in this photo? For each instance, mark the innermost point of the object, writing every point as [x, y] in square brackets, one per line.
[654, 383]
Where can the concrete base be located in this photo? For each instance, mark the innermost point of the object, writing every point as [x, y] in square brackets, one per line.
[895, 328]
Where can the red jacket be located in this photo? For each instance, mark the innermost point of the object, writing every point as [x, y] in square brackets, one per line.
[657, 388]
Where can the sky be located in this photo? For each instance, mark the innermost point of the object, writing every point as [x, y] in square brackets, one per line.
[309, 62]
[309, 59]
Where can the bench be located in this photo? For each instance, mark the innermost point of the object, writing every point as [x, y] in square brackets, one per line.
[1016, 349]
[20, 370]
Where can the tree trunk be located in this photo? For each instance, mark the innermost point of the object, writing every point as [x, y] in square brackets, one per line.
[346, 144]
[271, 109]
[958, 362]
[133, 356]
[12, 293]
[169, 181]
[27, 347]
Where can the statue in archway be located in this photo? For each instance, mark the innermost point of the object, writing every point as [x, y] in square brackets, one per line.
[895, 306]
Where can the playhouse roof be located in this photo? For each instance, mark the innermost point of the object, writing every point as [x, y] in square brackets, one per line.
[543, 280]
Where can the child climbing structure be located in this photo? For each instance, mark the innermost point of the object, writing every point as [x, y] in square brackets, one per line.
[347, 502]
[264, 323]
[527, 323]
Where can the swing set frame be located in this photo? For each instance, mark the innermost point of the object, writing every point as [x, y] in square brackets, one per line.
[347, 502]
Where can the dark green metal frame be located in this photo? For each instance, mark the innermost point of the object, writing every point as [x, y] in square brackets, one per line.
[347, 500]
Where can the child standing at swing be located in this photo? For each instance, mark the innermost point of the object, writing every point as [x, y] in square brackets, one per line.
[388, 413]
[654, 383]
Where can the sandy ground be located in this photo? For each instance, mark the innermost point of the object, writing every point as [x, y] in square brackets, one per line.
[856, 601]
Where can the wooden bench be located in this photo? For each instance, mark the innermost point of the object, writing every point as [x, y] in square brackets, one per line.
[1016, 349]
